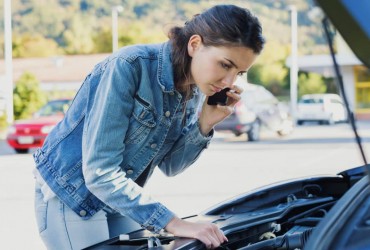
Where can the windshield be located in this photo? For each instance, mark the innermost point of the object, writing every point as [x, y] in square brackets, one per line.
[58, 107]
[311, 100]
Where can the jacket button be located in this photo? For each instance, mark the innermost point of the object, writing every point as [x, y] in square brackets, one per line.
[153, 145]
[83, 213]
[150, 228]
[130, 171]
[167, 114]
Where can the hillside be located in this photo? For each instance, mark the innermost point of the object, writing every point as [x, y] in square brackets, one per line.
[49, 27]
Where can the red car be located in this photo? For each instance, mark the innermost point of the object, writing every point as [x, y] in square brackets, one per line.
[31, 133]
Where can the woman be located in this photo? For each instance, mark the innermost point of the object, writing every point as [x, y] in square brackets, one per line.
[137, 110]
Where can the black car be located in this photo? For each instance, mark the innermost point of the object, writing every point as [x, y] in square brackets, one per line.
[283, 216]
[315, 213]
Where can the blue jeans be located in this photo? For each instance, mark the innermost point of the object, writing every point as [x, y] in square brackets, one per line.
[61, 228]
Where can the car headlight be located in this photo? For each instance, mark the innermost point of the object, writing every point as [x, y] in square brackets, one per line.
[12, 130]
[46, 129]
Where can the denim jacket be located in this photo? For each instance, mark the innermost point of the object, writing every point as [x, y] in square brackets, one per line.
[126, 117]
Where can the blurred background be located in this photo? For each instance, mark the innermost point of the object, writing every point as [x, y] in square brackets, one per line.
[54, 44]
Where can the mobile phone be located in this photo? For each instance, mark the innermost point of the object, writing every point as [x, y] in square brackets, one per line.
[218, 98]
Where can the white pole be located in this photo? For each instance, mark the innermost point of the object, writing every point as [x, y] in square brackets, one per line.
[294, 63]
[8, 61]
[115, 11]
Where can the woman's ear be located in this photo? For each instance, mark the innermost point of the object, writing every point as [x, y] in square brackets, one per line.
[195, 42]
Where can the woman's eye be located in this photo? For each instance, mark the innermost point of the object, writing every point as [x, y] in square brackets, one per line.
[241, 73]
[225, 66]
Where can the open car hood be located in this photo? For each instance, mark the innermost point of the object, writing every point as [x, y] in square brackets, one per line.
[352, 20]
[291, 209]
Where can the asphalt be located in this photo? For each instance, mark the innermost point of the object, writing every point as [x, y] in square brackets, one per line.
[230, 165]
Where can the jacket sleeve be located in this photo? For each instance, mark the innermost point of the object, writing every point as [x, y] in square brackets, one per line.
[186, 150]
[106, 122]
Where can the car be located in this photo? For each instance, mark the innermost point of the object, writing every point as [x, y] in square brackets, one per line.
[31, 133]
[258, 107]
[313, 213]
[280, 216]
[322, 108]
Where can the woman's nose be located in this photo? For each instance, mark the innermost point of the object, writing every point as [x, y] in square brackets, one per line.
[229, 80]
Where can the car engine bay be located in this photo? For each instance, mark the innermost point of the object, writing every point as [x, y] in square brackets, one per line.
[280, 216]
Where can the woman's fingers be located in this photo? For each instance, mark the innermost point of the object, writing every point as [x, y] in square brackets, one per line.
[220, 235]
[234, 93]
[227, 110]
[210, 235]
[216, 236]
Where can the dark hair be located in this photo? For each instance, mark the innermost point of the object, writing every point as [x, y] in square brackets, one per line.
[221, 25]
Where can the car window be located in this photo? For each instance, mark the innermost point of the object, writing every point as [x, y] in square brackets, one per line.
[53, 108]
[335, 101]
[258, 95]
[265, 96]
[311, 100]
[249, 97]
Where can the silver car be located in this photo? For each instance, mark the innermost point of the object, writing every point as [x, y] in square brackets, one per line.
[258, 107]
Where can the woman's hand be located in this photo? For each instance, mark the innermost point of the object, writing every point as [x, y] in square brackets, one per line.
[208, 233]
[213, 114]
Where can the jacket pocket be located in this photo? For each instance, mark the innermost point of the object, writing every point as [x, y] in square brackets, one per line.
[141, 122]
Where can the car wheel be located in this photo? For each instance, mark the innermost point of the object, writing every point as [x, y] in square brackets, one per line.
[237, 134]
[331, 120]
[284, 132]
[21, 150]
[254, 132]
[286, 128]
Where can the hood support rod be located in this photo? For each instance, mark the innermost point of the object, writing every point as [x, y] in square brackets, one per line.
[350, 115]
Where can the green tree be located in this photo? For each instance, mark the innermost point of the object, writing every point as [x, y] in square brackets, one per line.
[310, 83]
[73, 23]
[34, 46]
[102, 41]
[270, 70]
[138, 32]
[2, 46]
[3, 122]
[78, 37]
[27, 96]
[42, 17]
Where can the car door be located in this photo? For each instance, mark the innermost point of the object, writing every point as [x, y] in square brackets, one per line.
[338, 109]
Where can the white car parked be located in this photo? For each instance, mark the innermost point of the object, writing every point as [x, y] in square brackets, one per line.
[323, 108]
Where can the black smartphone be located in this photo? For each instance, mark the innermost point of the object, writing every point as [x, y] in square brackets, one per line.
[218, 98]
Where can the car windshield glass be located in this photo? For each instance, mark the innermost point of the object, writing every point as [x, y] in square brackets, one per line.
[312, 100]
[255, 95]
[53, 108]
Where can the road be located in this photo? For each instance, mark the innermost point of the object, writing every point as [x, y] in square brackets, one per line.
[230, 166]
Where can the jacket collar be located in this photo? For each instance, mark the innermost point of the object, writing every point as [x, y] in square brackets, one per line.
[165, 68]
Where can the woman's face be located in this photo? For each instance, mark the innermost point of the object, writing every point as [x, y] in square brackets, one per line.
[215, 68]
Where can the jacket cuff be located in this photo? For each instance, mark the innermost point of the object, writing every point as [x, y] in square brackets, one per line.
[158, 220]
[197, 138]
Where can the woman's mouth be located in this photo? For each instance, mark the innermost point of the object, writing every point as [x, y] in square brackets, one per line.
[215, 88]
